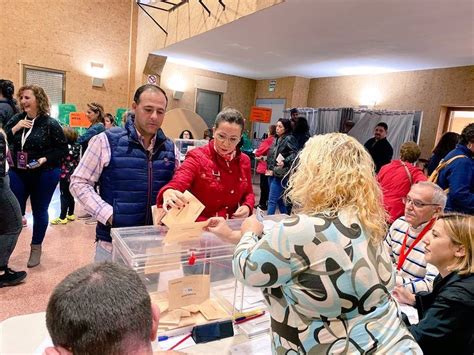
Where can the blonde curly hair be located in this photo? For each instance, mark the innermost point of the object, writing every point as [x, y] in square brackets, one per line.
[333, 172]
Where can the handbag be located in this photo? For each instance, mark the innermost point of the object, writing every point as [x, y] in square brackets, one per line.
[280, 171]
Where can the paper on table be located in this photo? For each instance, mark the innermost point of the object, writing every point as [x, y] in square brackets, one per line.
[187, 290]
[168, 343]
[184, 231]
[189, 213]
[260, 345]
[211, 309]
[253, 297]
[411, 313]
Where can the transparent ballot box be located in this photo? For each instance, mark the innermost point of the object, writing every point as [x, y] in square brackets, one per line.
[190, 280]
[180, 277]
[185, 145]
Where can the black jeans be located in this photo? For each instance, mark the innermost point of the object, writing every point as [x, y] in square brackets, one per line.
[10, 221]
[67, 200]
[263, 190]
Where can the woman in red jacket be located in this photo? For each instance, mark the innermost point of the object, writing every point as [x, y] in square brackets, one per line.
[397, 177]
[261, 155]
[217, 174]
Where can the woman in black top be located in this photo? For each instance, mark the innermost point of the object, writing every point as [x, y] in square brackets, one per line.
[280, 157]
[37, 146]
[446, 314]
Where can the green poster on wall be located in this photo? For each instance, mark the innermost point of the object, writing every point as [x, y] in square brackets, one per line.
[118, 116]
[64, 111]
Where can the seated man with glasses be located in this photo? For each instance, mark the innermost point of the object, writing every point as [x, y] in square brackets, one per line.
[423, 203]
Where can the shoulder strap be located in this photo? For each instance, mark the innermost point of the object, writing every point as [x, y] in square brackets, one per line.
[442, 164]
[408, 172]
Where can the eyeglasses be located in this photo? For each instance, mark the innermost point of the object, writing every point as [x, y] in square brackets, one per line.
[416, 203]
[232, 140]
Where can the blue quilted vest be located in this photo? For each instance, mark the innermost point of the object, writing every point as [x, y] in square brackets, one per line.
[133, 177]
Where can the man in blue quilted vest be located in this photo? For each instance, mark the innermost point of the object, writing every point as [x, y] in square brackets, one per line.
[131, 165]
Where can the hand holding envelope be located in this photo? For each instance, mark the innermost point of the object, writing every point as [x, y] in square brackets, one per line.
[280, 160]
[181, 221]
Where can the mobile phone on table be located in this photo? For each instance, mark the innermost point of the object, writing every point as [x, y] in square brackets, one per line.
[33, 164]
[259, 215]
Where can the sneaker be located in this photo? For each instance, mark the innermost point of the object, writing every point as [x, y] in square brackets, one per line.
[11, 278]
[58, 221]
[24, 222]
[71, 217]
[85, 215]
[91, 220]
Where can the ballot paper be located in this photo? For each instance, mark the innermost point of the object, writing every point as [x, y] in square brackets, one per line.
[280, 158]
[259, 345]
[184, 231]
[187, 290]
[410, 312]
[188, 214]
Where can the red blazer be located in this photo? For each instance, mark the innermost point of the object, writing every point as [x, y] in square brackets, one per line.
[220, 187]
[395, 184]
[262, 151]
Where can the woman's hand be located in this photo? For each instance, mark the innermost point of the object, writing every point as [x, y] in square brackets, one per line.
[22, 124]
[40, 162]
[403, 295]
[219, 227]
[174, 199]
[280, 164]
[242, 212]
[251, 224]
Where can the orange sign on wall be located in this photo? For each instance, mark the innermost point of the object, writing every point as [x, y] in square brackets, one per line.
[78, 119]
[260, 114]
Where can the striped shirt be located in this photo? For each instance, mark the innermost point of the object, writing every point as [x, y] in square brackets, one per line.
[415, 273]
[87, 174]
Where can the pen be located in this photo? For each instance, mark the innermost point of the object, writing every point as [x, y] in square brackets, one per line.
[248, 316]
[246, 319]
[163, 338]
[410, 282]
[249, 313]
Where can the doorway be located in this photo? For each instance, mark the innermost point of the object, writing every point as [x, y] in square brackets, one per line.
[277, 106]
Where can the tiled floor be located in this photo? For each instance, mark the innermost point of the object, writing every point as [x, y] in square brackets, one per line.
[65, 248]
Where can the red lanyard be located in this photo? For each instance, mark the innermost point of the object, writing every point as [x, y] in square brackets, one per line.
[420, 236]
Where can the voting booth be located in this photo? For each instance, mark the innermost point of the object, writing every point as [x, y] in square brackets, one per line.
[185, 145]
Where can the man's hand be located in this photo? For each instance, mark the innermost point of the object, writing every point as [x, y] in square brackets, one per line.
[242, 212]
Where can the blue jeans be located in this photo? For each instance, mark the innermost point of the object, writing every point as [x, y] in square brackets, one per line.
[39, 186]
[275, 195]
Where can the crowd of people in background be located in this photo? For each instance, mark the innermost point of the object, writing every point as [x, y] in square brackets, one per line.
[349, 204]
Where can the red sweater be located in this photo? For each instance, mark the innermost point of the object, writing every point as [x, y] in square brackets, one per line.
[219, 185]
[395, 184]
[262, 151]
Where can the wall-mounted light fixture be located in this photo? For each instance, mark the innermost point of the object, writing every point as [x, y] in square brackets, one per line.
[97, 72]
[177, 84]
[370, 97]
[177, 95]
